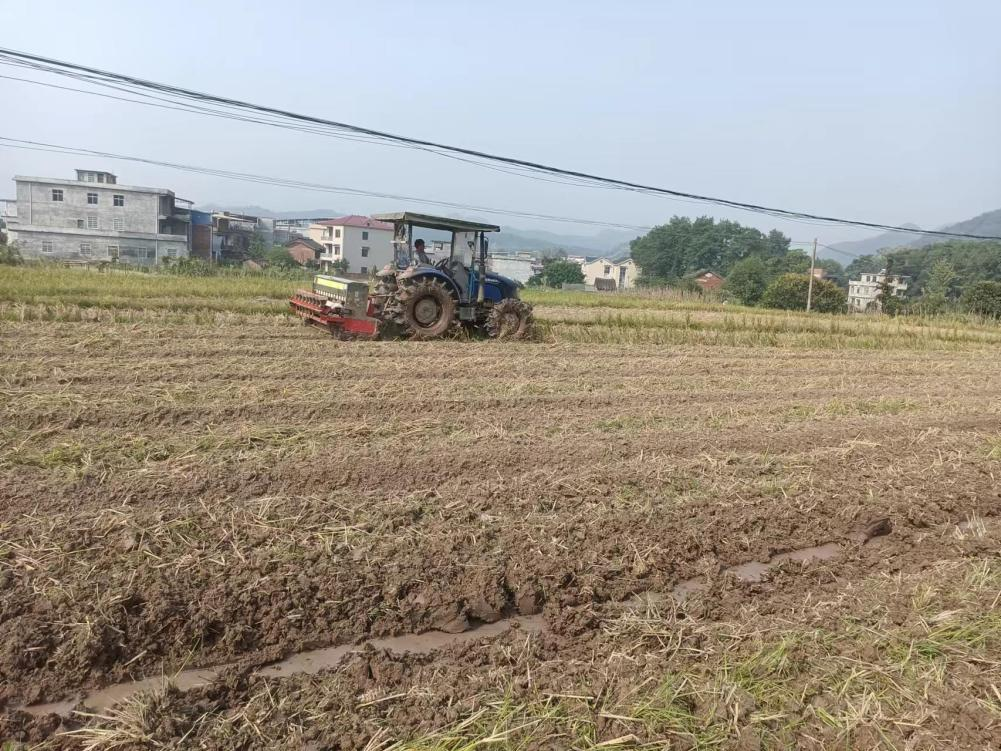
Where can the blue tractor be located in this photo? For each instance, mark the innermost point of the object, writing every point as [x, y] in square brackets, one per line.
[430, 293]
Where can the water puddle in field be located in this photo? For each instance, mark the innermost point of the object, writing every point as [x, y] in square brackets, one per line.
[754, 571]
[308, 662]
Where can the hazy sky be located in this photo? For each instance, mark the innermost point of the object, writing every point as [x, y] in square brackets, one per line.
[883, 111]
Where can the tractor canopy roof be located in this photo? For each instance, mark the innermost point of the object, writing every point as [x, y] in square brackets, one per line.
[435, 222]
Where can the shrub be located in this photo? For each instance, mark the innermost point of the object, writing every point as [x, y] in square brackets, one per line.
[789, 292]
[556, 272]
[983, 298]
[688, 284]
[10, 255]
[748, 280]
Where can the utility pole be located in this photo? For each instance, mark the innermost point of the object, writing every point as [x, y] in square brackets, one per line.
[813, 265]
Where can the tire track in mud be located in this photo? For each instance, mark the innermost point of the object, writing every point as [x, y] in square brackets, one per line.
[425, 643]
[308, 662]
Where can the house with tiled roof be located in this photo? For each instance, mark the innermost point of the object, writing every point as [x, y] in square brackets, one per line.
[306, 252]
[365, 243]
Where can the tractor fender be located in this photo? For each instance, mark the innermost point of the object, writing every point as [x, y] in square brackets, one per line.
[426, 273]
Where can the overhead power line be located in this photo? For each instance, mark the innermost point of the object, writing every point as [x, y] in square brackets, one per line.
[273, 116]
[17, 143]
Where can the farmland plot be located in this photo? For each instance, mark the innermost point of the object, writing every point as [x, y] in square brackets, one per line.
[597, 540]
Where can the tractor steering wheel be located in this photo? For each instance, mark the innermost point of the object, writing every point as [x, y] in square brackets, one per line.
[442, 265]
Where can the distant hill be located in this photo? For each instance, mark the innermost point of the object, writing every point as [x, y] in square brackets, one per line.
[871, 245]
[988, 223]
[607, 242]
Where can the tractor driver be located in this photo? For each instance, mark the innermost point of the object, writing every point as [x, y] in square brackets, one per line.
[421, 255]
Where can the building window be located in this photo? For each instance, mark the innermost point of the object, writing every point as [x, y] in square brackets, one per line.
[364, 235]
[113, 252]
[89, 177]
[80, 224]
[119, 200]
[92, 199]
[46, 246]
[171, 252]
[337, 232]
[118, 223]
[364, 269]
[330, 248]
[608, 270]
[85, 249]
[364, 249]
[139, 254]
[337, 249]
[57, 194]
[91, 221]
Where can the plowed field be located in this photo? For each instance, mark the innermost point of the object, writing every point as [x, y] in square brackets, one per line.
[221, 489]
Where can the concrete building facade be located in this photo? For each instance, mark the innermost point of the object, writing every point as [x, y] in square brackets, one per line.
[863, 293]
[233, 234]
[366, 244]
[93, 218]
[518, 266]
[623, 273]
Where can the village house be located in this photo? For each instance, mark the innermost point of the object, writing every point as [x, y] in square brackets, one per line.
[518, 266]
[93, 218]
[623, 273]
[366, 244]
[708, 280]
[863, 293]
[304, 251]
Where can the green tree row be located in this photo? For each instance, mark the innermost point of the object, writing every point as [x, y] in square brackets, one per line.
[957, 275]
[676, 251]
[971, 261]
[683, 247]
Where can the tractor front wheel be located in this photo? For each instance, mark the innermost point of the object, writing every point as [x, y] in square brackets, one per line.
[428, 309]
[510, 319]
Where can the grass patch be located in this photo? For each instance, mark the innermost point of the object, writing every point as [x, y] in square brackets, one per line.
[994, 448]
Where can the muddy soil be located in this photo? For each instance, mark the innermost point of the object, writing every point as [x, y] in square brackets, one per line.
[197, 496]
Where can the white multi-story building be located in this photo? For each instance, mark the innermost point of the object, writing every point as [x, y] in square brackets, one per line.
[518, 266]
[863, 293]
[93, 218]
[623, 273]
[366, 244]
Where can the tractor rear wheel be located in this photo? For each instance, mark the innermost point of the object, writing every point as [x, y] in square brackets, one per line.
[510, 319]
[428, 309]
